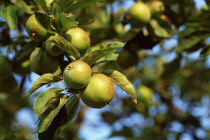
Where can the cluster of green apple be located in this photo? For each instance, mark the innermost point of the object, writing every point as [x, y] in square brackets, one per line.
[140, 13]
[49, 52]
[8, 82]
[96, 90]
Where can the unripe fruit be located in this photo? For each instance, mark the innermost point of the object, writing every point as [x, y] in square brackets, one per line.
[8, 85]
[79, 39]
[77, 74]
[5, 67]
[157, 7]
[43, 63]
[52, 49]
[35, 30]
[99, 92]
[138, 14]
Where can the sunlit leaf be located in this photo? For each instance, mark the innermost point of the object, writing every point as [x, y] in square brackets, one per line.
[65, 45]
[44, 97]
[27, 8]
[43, 80]
[71, 108]
[94, 56]
[45, 21]
[120, 79]
[56, 124]
[9, 14]
[41, 2]
[159, 30]
[60, 20]
[189, 42]
[50, 110]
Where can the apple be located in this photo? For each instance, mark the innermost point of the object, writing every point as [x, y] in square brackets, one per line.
[77, 74]
[41, 62]
[99, 92]
[5, 67]
[52, 49]
[35, 30]
[157, 7]
[79, 38]
[138, 14]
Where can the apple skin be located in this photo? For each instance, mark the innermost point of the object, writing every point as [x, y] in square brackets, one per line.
[157, 7]
[5, 67]
[46, 63]
[52, 49]
[77, 74]
[79, 38]
[99, 92]
[138, 14]
[35, 30]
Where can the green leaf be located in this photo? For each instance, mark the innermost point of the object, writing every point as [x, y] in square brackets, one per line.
[56, 12]
[116, 44]
[205, 52]
[56, 124]
[42, 3]
[68, 25]
[48, 2]
[123, 82]
[65, 45]
[9, 14]
[63, 3]
[44, 97]
[50, 110]
[26, 49]
[56, 127]
[71, 108]
[159, 30]
[27, 8]
[109, 57]
[60, 21]
[94, 56]
[187, 32]
[45, 21]
[43, 80]
[190, 42]
[77, 4]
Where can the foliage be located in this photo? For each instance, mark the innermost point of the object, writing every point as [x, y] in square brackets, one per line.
[165, 88]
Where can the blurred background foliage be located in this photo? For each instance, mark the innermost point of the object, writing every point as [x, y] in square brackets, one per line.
[167, 60]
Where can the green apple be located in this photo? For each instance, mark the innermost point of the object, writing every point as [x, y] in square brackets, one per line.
[77, 74]
[35, 30]
[157, 7]
[41, 62]
[52, 49]
[79, 38]
[99, 92]
[138, 14]
[5, 67]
